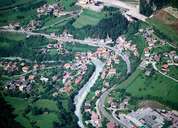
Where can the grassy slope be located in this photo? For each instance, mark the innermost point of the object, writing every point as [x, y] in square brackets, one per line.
[19, 105]
[165, 29]
[88, 17]
[79, 47]
[158, 86]
[68, 4]
[173, 71]
[43, 121]
[44, 103]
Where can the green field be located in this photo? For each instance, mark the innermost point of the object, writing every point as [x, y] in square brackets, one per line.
[44, 120]
[173, 71]
[166, 30]
[162, 49]
[44, 103]
[12, 36]
[78, 47]
[68, 4]
[158, 86]
[54, 22]
[88, 17]
[19, 105]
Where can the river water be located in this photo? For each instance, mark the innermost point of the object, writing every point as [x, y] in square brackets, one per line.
[80, 97]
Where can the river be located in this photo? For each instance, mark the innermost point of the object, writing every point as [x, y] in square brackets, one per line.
[80, 97]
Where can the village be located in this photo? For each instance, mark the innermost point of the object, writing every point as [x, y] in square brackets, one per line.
[69, 70]
[160, 60]
[75, 71]
[146, 116]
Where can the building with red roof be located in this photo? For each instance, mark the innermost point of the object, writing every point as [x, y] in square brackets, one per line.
[111, 125]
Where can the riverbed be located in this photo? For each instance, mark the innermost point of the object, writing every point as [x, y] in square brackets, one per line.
[80, 97]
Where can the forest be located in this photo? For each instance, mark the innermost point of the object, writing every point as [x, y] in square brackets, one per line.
[147, 8]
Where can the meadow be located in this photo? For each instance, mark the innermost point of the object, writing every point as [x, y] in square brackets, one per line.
[156, 87]
[88, 17]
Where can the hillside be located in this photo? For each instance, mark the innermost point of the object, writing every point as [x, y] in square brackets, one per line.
[147, 7]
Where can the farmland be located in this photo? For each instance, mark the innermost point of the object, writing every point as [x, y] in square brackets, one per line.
[88, 17]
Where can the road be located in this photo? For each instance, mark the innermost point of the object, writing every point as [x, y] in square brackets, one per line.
[106, 114]
[102, 109]
[131, 10]
[80, 97]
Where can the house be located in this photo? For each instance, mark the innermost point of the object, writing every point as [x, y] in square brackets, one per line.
[15, 25]
[143, 64]
[176, 59]
[52, 34]
[114, 104]
[103, 75]
[31, 77]
[157, 58]
[67, 88]
[87, 107]
[54, 78]
[25, 69]
[95, 119]
[66, 75]
[67, 65]
[106, 85]
[49, 46]
[165, 67]
[22, 78]
[44, 79]
[111, 125]
[78, 80]
[147, 73]
[111, 72]
[35, 66]
[146, 50]
[98, 93]
[110, 100]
